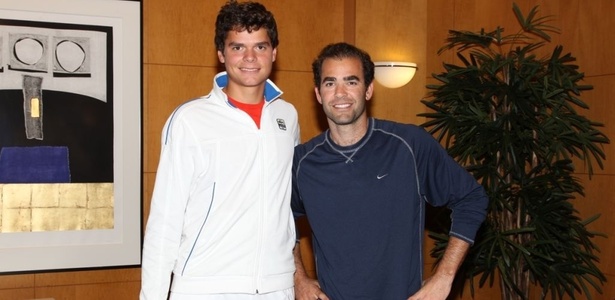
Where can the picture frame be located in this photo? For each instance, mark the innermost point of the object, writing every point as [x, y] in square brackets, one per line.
[87, 52]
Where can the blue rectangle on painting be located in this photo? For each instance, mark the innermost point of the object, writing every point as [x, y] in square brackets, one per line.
[44, 164]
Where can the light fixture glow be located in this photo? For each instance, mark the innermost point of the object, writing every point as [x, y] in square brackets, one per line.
[394, 74]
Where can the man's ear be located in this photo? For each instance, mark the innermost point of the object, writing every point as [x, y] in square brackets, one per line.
[274, 54]
[369, 92]
[316, 91]
[220, 56]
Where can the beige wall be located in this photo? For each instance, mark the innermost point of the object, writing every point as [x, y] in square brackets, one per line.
[179, 62]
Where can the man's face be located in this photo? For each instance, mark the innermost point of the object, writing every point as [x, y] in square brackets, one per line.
[342, 91]
[248, 57]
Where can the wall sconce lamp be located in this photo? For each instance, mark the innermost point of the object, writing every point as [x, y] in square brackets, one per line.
[394, 74]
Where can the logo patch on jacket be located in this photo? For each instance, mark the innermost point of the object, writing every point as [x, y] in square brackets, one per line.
[281, 124]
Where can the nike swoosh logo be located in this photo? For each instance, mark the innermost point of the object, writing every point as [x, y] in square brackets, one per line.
[381, 176]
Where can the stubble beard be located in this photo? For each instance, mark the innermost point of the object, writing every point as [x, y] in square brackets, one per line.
[346, 118]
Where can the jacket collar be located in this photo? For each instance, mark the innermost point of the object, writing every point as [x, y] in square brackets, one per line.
[272, 92]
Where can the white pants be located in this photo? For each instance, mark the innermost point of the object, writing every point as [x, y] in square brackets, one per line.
[287, 294]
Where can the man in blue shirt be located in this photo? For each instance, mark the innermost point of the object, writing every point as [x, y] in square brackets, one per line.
[363, 185]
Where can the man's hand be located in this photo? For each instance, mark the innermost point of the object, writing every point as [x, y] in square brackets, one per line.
[436, 287]
[306, 288]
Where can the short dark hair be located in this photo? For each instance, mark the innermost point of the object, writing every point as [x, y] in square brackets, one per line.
[244, 16]
[339, 51]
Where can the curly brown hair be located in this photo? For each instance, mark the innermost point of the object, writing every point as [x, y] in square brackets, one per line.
[242, 16]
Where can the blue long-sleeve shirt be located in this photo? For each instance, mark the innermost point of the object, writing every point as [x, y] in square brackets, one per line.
[366, 206]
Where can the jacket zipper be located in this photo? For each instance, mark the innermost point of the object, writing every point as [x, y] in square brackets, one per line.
[261, 205]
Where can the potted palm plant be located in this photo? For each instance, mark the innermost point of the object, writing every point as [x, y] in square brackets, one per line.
[512, 118]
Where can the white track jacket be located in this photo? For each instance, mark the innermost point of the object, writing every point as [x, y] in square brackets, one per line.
[220, 217]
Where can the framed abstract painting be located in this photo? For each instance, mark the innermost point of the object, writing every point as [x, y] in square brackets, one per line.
[70, 134]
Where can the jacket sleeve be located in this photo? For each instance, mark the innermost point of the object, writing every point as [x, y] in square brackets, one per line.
[296, 203]
[169, 199]
[444, 182]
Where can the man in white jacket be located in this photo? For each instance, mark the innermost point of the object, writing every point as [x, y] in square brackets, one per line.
[220, 225]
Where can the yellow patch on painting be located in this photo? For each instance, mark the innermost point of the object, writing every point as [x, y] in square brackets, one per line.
[35, 108]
